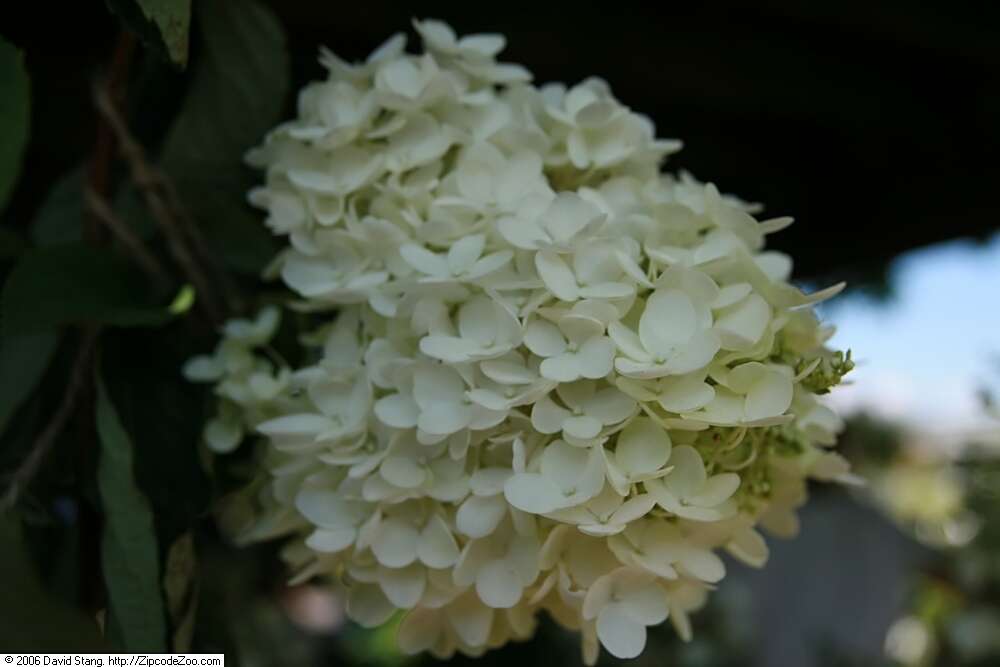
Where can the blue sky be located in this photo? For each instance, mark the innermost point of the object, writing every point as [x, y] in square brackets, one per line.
[926, 351]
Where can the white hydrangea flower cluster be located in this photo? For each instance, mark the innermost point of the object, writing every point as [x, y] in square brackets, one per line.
[548, 377]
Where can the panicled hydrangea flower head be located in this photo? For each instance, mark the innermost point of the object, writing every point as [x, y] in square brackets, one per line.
[545, 377]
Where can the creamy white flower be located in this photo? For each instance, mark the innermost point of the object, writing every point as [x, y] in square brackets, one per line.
[675, 334]
[640, 455]
[588, 409]
[533, 372]
[566, 476]
[623, 602]
[664, 550]
[500, 567]
[753, 393]
[556, 227]
[486, 329]
[437, 404]
[607, 514]
[689, 492]
[576, 348]
[464, 261]
[489, 181]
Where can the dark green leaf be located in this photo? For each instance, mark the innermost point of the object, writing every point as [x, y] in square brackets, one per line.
[129, 553]
[30, 619]
[238, 94]
[12, 244]
[180, 586]
[23, 360]
[164, 415]
[162, 25]
[60, 218]
[14, 116]
[233, 230]
[71, 283]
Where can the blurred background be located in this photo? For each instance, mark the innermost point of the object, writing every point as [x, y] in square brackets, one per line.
[875, 124]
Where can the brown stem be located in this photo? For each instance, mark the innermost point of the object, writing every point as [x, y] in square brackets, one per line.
[147, 179]
[104, 146]
[41, 447]
[124, 233]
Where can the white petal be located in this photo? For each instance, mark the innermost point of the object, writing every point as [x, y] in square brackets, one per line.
[296, 426]
[582, 427]
[403, 586]
[568, 214]
[471, 619]
[704, 565]
[203, 369]
[521, 233]
[647, 603]
[628, 342]
[731, 294]
[620, 634]
[498, 584]
[749, 546]
[436, 384]
[506, 371]
[770, 396]
[478, 321]
[324, 507]
[634, 508]
[688, 474]
[331, 541]
[445, 418]
[397, 410]
[668, 320]
[716, 490]
[562, 367]
[643, 447]
[578, 327]
[489, 481]
[223, 435]
[595, 358]
[590, 481]
[395, 544]
[463, 254]
[664, 498]
[452, 349]
[425, 261]
[437, 547]
[479, 516]
[743, 325]
[686, 393]
[598, 596]
[574, 394]
[533, 493]
[642, 370]
[609, 290]
[725, 408]
[609, 405]
[544, 339]
[563, 463]
[547, 417]
[403, 471]
[696, 354]
[310, 277]
[488, 399]
[367, 606]
[777, 265]
[556, 275]
[419, 630]
[489, 264]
